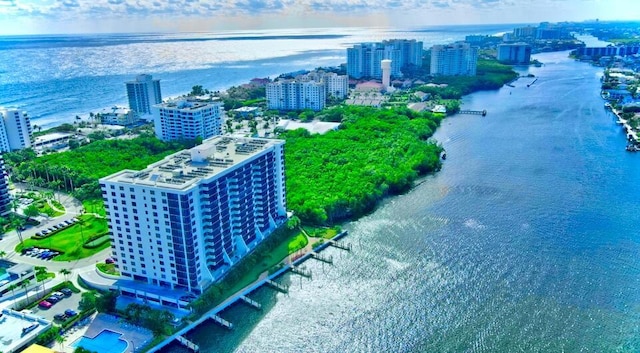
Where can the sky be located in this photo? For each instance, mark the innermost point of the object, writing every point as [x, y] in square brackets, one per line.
[110, 16]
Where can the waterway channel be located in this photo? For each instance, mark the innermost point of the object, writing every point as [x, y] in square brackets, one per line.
[526, 241]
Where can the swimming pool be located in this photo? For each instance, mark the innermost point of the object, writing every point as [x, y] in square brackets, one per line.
[105, 342]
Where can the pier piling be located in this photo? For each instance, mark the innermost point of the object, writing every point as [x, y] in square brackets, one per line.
[190, 345]
[224, 323]
[320, 257]
[251, 302]
[277, 286]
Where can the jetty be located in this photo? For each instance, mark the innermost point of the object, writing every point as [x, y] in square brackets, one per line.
[532, 82]
[339, 245]
[190, 345]
[474, 112]
[277, 286]
[320, 257]
[268, 280]
[302, 272]
[252, 303]
[224, 323]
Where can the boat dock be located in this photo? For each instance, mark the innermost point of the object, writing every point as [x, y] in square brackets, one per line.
[251, 302]
[242, 295]
[190, 345]
[474, 112]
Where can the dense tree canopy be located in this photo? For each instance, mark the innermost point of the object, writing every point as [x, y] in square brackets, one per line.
[345, 173]
[79, 169]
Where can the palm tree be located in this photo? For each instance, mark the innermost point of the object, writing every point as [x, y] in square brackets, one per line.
[18, 223]
[41, 276]
[60, 339]
[24, 285]
[2, 254]
[81, 222]
[65, 272]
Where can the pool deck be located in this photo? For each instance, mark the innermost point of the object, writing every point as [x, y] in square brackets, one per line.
[135, 336]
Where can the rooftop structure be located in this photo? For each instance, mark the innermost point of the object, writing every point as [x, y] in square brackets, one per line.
[17, 330]
[117, 116]
[182, 222]
[188, 118]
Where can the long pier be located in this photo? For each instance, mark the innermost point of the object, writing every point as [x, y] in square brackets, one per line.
[302, 272]
[339, 245]
[279, 287]
[474, 112]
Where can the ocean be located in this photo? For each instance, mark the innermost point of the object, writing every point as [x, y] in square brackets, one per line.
[55, 78]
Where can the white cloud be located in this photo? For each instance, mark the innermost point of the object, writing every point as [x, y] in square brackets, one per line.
[208, 15]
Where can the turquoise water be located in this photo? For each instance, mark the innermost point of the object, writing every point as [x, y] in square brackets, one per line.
[105, 342]
[525, 241]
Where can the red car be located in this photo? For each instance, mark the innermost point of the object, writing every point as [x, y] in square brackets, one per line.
[45, 304]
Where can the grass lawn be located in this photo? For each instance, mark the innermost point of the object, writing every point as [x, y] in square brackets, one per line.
[70, 240]
[109, 269]
[94, 206]
[297, 243]
[43, 207]
[326, 233]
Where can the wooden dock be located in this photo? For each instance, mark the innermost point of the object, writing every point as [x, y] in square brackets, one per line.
[224, 323]
[190, 345]
[301, 271]
[340, 245]
[474, 112]
[277, 286]
[320, 257]
[251, 302]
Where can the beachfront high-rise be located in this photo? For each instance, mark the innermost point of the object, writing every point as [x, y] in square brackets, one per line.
[5, 197]
[458, 59]
[188, 118]
[143, 93]
[15, 130]
[363, 60]
[181, 223]
[296, 95]
[516, 53]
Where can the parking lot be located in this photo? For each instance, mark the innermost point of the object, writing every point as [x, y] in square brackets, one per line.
[70, 302]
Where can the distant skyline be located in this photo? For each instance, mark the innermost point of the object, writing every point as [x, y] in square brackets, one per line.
[107, 16]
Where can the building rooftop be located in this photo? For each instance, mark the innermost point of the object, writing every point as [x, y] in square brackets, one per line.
[186, 168]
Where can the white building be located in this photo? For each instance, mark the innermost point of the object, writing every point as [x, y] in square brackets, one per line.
[143, 93]
[5, 197]
[517, 53]
[181, 223]
[296, 95]
[188, 118]
[117, 116]
[458, 59]
[363, 60]
[15, 130]
[336, 85]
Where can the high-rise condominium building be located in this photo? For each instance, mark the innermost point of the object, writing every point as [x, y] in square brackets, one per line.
[15, 130]
[517, 53]
[296, 95]
[336, 85]
[188, 118]
[363, 60]
[5, 197]
[143, 93]
[458, 59]
[181, 223]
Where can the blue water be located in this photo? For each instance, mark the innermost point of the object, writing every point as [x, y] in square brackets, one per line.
[105, 342]
[55, 78]
[525, 241]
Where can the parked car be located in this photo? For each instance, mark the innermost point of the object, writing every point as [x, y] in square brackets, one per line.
[45, 304]
[59, 317]
[66, 291]
[58, 295]
[53, 300]
[109, 260]
[70, 313]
